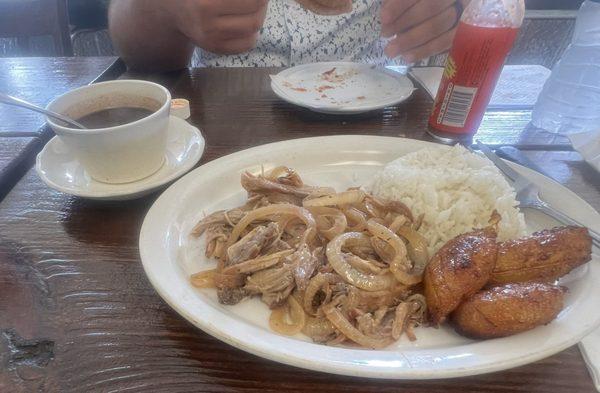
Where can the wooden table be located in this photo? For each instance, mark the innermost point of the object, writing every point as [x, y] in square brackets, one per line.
[78, 314]
[38, 80]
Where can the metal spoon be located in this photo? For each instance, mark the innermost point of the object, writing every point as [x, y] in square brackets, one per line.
[10, 100]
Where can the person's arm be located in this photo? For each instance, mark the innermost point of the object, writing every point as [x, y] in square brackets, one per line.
[146, 37]
[160, 35]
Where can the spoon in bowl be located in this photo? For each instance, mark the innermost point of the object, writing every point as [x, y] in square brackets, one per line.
[10, 100]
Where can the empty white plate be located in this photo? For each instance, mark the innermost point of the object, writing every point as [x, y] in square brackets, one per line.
[341, 87]
[59, 169]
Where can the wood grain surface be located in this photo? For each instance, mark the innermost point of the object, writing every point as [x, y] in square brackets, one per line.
[39, 80]
[78, 314]
[16, 157]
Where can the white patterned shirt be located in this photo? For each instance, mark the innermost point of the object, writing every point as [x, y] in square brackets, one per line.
[292, 35]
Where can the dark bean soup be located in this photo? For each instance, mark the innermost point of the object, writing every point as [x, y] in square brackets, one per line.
[113, 117]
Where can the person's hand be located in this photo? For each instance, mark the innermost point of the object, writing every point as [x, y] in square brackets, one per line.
[421, 27]
[219, 26]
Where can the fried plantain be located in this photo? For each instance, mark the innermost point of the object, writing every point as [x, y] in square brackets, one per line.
[509, 309]
[543, 256]
[458, 270]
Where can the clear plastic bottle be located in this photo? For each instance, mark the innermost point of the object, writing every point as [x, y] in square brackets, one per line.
[570, 99]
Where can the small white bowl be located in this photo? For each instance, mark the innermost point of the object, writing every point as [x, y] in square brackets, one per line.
[120, 154]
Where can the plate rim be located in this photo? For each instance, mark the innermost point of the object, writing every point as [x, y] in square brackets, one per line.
[103, 195]
[340, 368]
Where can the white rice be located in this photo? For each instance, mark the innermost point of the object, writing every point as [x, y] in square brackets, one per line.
[454, 189]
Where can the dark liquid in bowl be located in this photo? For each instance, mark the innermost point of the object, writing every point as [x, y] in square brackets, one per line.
[113, 117]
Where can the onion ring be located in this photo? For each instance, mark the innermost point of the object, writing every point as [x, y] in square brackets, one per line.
[363, 265]
[417, 248]
[343, 198]
[401, 317]
[256, 264]
[315, 284]
[318, 328]
[361, 280]
[395, 206]
[399, 266]
[339, 221]
[278, 322]
[345, 327]
[262, 212]
[397, 223]
[357, 217]
[204, 279]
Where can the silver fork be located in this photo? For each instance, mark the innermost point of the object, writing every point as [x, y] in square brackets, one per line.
[528, 194]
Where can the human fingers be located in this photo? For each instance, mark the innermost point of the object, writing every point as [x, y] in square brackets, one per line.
[423, 33]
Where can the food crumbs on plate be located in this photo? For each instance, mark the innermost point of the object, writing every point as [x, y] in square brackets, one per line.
[324, 87]
[332, 76]
[327, 73]
[323, 95]
[361, 97]
[300, 89]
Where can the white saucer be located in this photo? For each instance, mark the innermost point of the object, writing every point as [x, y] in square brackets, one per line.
[59, 169]
[341, 87]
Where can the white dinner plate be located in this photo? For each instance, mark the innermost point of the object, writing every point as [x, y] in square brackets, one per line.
[341, 87]
[170, 255]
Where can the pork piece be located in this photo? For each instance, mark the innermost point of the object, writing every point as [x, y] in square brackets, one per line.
[372, 301]
[458, 270]
[216, 240]
[231, 296]
[229, 217]
[305, 263]
[276, 284]
[252, 244]
[219, 218]
[509, 309]
[284, 175]
[260, 185]
[277, 246]
[373, 324]
[230, 287]
[543, 256]
[319, 253]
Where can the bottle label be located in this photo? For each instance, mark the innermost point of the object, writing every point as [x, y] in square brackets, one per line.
[472, 70]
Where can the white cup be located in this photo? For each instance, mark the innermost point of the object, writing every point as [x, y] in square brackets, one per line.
[124, 153]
